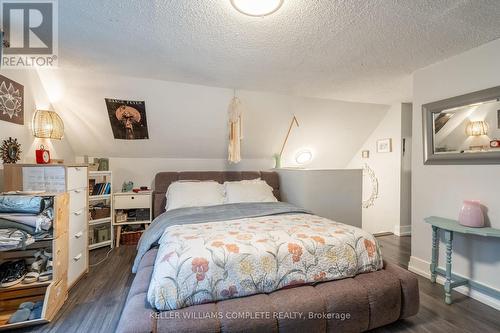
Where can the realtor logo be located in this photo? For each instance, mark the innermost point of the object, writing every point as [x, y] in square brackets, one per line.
[29, 33]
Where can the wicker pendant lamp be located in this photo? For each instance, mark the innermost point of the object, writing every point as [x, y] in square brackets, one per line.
[47, 125]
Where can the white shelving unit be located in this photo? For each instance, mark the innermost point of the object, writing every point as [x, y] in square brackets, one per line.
[101, 244]
[101, 177]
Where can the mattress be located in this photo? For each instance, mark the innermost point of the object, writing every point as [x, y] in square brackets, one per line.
[204, 262]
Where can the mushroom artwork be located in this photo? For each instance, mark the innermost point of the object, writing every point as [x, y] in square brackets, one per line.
[128, 117]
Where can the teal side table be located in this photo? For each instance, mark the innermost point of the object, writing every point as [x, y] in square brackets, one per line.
[449, 227]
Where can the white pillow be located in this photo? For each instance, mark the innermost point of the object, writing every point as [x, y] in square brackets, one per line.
[254, 190]
[182, 194]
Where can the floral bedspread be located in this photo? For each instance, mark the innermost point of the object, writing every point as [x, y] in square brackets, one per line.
[206, 262]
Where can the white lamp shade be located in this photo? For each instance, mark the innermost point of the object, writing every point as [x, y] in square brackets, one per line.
[477, 128]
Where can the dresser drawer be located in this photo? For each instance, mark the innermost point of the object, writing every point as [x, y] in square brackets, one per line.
[77, 222]
[77, 177]
[77, 244]
[77, 200]
[132, 201]
[78, 256]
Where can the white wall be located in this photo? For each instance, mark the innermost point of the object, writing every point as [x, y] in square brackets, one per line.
[384, 215]
[440, 189]
[34, 97]
[334, 194]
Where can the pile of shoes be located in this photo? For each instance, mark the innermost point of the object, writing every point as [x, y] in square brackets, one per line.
[38, 268]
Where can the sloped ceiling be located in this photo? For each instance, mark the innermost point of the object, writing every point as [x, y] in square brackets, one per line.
[353, 50]
[190, 121]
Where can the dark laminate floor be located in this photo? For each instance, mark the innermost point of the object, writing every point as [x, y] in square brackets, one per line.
[95, 303]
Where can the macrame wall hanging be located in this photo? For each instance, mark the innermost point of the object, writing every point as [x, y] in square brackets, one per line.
[235, 114]
[369, 175]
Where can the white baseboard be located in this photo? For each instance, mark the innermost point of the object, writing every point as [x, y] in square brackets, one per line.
[421, 267]
[403, 230]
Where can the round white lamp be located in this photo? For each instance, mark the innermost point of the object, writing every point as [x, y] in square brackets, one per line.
[303, 157]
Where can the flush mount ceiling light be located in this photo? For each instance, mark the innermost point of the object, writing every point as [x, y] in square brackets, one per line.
[303, 157]
[257, 7]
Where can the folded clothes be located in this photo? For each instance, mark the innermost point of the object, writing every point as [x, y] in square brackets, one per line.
[22, 204]
[7, 224]
[13, 239]
[42, 221]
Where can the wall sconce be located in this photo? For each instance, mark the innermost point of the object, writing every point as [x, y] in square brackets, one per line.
[47, 125]
[477, 128]
[303, 157]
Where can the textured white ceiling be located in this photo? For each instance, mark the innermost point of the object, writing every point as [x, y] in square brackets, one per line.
[354, 50]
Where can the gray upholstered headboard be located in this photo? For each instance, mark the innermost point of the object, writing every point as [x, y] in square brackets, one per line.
[164, 179]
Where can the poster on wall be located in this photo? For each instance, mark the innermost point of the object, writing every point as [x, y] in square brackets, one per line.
[11, 101]
[128, 119]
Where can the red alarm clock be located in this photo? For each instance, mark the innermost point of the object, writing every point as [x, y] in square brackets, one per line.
[42, 155]
[495, 143]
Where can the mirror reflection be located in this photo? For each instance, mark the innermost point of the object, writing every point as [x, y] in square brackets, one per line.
[467, 129]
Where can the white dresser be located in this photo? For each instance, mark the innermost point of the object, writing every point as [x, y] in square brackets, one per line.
[59, 178]
[77, 187]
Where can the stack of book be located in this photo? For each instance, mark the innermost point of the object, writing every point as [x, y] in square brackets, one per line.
[101, 189]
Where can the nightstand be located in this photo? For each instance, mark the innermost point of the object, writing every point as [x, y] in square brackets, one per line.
[131, 209]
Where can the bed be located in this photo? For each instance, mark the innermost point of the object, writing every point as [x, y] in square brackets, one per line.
[382, 294]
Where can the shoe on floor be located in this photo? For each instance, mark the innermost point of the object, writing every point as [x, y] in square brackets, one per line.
[15, 273]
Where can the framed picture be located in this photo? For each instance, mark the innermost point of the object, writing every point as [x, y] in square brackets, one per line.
[384, 146]
[11, 101]
[128, 119]
[498, 119]
[365, 154]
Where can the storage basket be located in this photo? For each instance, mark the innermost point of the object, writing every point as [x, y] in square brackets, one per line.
[100, 213]
[130, 237]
